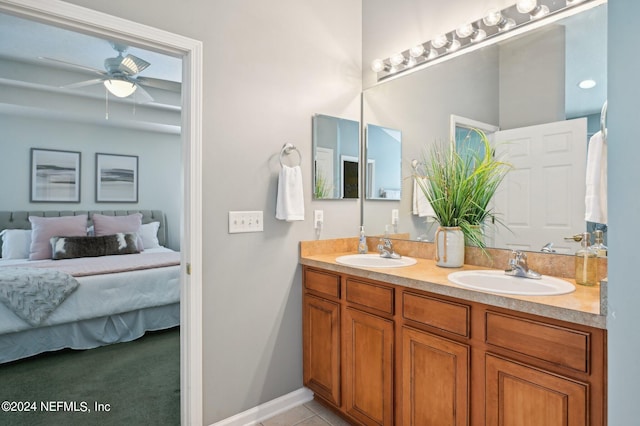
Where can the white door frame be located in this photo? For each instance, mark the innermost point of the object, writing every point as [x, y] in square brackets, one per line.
[102, 25]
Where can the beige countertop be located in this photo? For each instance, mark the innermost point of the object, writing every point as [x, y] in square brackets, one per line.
[583, 306]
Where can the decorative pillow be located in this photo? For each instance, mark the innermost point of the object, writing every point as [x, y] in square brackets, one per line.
[106, 245]
[150, 235]
[109, 225]
[15, 243]
[43, 228]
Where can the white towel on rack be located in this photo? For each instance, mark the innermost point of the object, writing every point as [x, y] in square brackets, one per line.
[290, 201]
[596, 180]
[421, 205]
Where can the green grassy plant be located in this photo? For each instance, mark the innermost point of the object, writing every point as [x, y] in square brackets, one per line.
[460, 187]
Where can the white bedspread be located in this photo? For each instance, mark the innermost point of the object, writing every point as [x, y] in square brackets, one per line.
[106, 294]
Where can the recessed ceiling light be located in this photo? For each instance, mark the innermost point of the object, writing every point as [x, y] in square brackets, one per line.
[587, 84]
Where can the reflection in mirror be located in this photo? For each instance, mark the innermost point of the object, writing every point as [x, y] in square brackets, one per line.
[335, 157]
[384, 161]
[518, 83]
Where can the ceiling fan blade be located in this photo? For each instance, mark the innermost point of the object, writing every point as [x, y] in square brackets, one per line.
[141, 96]
[72, 65]
[171, 86]
[83, 83]
[132, 65]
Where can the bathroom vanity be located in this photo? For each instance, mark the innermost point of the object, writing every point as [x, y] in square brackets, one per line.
[404, 346]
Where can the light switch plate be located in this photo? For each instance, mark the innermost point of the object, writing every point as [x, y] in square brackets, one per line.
[245, 221]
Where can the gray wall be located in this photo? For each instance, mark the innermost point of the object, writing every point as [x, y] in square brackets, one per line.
[268, 67]
[624, 207]
[532, 69]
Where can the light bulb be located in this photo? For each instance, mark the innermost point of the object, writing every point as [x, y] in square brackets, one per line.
[433, 53]
[492, 18]
[454, 45]
[397, 59]
[479, 36]
[526, 6]
[416, 51]
[440, 41]
[531, 7]
[587, 84]
[465, 30]
[120, 87]
[378, 65]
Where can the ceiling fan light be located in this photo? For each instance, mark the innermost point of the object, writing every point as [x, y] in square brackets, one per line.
[120, 88]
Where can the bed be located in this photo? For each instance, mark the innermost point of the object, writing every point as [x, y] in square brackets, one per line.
[109, 299]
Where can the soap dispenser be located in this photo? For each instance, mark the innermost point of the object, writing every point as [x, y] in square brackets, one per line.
[598, 244]
[362, 242]
[586, 263]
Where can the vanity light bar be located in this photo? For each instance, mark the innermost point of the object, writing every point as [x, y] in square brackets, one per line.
[493, 24]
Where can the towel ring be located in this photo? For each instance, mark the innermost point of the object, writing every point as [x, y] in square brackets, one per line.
[286, 150]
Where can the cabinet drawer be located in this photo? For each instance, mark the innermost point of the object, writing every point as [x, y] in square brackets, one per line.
[559, 345]
[370, 295]
[441, 314]
[322, 282]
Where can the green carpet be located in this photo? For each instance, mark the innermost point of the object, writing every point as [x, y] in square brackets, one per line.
[134, 383]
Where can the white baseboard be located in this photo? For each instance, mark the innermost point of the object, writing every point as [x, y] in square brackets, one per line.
[268, 409]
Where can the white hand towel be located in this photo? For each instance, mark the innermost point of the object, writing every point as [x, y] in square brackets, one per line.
[290, 201]
[596, 180]
[421, 205]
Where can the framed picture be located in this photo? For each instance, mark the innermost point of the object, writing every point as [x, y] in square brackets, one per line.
[116, 178]
[55, 176]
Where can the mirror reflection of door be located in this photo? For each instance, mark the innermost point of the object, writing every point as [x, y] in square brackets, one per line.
[349, 177]
[542, 198]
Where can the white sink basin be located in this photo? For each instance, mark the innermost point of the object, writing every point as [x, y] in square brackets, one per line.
[374, 261]
[499, 282]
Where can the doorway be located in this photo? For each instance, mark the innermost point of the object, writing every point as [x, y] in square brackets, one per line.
[102, 25]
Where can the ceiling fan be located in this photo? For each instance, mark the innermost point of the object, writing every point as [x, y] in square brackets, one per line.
[120, 76]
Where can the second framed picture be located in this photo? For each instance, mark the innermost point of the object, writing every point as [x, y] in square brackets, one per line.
[116, 178]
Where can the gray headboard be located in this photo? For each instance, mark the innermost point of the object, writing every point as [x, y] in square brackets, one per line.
[20, 219]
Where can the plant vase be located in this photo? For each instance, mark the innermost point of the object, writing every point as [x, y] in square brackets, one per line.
[449, 247]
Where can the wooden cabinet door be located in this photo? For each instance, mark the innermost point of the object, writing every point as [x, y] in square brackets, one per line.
[519, 395]
[368, 368]
[321, 341]
[435, 380]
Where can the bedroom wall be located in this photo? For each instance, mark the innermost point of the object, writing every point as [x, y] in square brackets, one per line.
[159, 172]
[269, 65]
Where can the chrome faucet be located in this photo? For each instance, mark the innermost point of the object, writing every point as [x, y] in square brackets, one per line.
[386, 249]
[518, 266]
[548, 248]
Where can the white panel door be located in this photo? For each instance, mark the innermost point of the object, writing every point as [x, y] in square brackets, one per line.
[542, 199]
[324, 169]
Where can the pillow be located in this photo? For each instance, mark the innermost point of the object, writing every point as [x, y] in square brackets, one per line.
[150, 235]
[106, 245]
[109, 225]
[15, 243]
[43, 228]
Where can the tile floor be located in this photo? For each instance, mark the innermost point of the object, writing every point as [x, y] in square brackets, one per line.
[311, 413]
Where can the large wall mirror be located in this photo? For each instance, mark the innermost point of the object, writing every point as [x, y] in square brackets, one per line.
[336, 150]
[527, 83]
